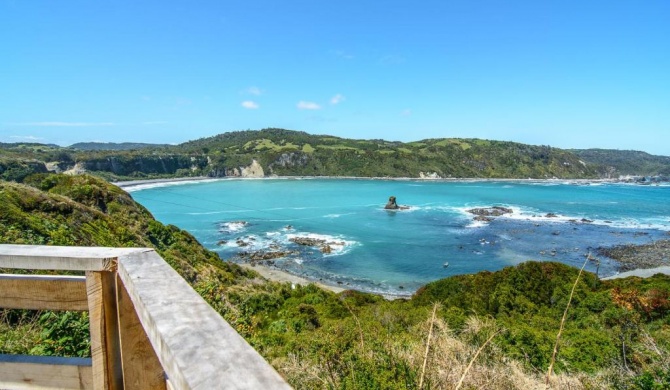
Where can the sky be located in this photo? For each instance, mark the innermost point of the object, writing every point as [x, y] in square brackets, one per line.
[569, 73]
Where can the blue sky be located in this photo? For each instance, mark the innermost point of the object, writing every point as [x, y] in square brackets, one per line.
[570, 74]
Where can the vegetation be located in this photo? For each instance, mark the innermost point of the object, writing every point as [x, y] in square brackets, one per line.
[626, 162]
[488, 330]
[289, 153]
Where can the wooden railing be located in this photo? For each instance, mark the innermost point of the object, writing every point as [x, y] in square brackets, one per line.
[149, 328]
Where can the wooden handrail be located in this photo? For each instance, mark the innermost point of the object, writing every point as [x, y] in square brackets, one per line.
[149, 328]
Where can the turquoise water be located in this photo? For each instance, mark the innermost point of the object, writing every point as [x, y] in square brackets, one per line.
[395, 252]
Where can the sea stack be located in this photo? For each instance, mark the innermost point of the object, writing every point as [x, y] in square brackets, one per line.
[391, 205]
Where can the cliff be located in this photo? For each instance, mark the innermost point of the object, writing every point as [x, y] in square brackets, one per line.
[294, 153]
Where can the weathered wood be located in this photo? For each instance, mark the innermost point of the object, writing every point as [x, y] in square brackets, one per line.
[62, 257]
[141, 368]
[196, 347]
[43, 292]
[44, 372]
[105, 350]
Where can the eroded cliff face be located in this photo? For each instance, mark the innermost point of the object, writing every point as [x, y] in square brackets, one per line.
[253, 170]
[126, 166]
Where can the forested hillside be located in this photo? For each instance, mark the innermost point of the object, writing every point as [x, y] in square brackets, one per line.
[626, 162]
[492, 330]
[290, 153]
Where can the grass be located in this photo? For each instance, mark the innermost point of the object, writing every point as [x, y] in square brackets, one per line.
[19, 332]
[565, 315]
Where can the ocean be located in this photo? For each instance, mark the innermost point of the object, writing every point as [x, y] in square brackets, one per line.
[360, 245]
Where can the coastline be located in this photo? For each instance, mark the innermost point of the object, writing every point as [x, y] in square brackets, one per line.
[641, 273]
[142, 182]
[280, 276]
[135, 183]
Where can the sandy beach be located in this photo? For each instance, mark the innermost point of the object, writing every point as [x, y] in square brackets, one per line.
[276, 275]
[134, 183]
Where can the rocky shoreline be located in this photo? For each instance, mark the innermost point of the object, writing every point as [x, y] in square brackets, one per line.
[633, 257]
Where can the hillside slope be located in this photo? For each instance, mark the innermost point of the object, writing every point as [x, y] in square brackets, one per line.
[290, 153]
[625, 162]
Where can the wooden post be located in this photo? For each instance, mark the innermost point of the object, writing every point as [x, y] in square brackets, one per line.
[105, 350]
[141, 368]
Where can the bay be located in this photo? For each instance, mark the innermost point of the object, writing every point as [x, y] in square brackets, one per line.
[395, 252]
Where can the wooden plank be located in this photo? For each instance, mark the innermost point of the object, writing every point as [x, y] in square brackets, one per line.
[196, 347]
[43, 292]
[44, 372]
[105, 350]
[141, 368]
[62, 257]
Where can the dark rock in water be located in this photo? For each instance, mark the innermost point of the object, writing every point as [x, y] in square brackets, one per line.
[392, 205]
[556, 233]
[551, 215]
[323, 245]
[494, 211]
[241, 243]
[307, 241]
[264, 255]
[221, 242]
[486, 214]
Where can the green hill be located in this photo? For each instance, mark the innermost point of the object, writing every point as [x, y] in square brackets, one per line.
[626, 162]
[505, 323]
[294, 153]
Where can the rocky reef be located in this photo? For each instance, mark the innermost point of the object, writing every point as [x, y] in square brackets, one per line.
[487, 214]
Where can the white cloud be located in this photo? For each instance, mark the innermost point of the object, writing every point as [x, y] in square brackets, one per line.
[303, 105]
[248, 104]
[254, 91]
[66, 124]
[337, 99]
[406, 112]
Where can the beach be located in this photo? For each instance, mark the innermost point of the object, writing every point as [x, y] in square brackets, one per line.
[280, 276]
